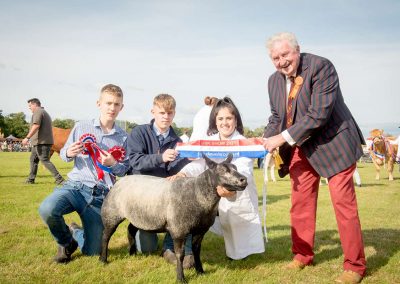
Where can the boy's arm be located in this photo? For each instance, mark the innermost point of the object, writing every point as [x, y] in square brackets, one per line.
[138, 153]
[177, 165]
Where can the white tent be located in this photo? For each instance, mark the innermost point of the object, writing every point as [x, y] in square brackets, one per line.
[12, 138]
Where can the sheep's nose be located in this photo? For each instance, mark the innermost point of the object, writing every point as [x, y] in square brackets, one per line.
[243, 180]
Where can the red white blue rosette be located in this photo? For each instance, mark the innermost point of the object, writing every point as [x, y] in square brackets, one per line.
[93, 150]
[87, 140]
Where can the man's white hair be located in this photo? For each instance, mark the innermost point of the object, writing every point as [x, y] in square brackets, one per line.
[284, 36]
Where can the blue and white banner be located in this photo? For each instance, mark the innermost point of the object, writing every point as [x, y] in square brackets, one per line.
[250, 148]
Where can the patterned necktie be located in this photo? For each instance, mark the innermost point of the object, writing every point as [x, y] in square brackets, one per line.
[161, 139]
[289, 114]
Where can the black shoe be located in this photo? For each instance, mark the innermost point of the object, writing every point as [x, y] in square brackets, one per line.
[30, 181]
[283, 171]
[188, 261]
[64, 253]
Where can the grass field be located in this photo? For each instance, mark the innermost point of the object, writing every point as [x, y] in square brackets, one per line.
[26, 246]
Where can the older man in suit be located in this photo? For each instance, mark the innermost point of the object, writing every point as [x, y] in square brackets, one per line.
[317, 136]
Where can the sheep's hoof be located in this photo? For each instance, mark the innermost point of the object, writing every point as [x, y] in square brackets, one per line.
[183, 280]
[132, 249]
[103, 260]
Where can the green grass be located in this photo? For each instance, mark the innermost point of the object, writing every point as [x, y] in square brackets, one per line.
[26, 246]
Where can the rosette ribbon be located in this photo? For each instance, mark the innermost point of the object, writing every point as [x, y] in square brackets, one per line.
[93, 150]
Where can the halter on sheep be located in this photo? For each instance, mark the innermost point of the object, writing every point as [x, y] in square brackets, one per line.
[181, 207]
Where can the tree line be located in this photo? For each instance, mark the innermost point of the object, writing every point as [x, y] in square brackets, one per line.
[16, 124]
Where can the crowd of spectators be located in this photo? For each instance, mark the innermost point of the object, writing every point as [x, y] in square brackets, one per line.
[14, 146]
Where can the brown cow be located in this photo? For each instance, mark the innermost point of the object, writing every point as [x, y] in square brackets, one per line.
[60, 136]
[382, 151]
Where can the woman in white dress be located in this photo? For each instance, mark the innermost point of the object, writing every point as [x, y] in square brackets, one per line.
[238, 220]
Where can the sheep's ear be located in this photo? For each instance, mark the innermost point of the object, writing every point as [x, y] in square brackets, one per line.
[210, 163]
[229, 158]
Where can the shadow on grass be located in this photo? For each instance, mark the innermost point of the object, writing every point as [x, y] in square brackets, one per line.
[14, 176]
[381, 244]
[370, 185]
[273, 198]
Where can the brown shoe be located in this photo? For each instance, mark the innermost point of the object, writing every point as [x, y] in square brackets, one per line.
[295, 265]
[64, 253]
[188, 261]
[169, 256]
[349, 277]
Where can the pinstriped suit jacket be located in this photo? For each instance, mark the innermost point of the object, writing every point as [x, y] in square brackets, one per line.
[323, 127]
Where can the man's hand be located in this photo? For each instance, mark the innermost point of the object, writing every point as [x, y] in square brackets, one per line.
[74, 149]
[107, 159]
[271, 143]
[223, 192]
[32, 131]
[169, 155]
[25, 141]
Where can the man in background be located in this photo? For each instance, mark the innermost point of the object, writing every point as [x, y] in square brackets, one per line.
[41, 136]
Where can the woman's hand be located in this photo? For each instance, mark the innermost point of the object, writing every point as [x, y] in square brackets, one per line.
[223, 192]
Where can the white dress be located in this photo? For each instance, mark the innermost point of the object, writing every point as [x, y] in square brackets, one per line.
[239, 221]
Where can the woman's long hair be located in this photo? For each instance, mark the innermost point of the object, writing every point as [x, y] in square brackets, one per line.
[225, 102]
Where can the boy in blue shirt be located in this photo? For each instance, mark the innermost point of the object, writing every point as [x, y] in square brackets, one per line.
[84, 191]
[151, 151]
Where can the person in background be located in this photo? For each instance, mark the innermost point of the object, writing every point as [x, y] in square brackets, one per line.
[357, 177]
[397, 142]
[316, 137]
[41, 136]
[151, 151]
[238, 220]
[84, 192]
[201, 119]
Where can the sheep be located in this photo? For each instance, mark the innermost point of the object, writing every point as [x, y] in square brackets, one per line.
[181, 207]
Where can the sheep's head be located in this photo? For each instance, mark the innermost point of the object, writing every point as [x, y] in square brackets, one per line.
[226, 174]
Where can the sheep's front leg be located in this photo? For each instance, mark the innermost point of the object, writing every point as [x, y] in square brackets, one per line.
[179, 249]
[110, 225]
[196, 247]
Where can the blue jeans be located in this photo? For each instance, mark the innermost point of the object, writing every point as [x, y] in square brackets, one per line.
[147, 242]
[86, 201]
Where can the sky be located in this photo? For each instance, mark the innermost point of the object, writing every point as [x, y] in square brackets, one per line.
[63, 52]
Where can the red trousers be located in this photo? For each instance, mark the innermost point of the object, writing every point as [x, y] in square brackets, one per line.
[305, 184]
